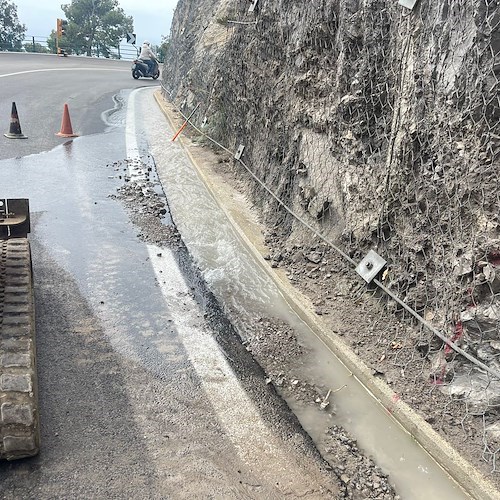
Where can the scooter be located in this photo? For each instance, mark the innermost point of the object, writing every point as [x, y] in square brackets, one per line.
[140, 68]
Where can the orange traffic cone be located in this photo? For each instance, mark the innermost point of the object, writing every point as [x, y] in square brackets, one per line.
[15, 127]
[66, 129]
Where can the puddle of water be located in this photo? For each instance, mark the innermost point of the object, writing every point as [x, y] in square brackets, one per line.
[237, 280]
[87, 232]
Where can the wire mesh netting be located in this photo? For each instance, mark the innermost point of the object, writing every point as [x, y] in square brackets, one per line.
[375, 127]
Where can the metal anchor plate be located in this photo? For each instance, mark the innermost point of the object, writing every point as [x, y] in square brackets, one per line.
[370, 266]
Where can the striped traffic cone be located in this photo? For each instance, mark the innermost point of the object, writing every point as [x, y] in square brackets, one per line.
[15, 127]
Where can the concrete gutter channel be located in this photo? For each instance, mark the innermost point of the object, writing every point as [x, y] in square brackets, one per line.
[464, 473]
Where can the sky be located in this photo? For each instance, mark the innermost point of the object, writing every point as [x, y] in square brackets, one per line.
[152, 18]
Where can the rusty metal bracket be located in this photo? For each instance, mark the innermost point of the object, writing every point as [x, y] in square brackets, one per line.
[14, 218]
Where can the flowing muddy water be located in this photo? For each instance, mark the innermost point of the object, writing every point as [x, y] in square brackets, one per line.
[248, 292]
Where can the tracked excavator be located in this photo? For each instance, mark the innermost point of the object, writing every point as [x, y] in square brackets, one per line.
[19, 421]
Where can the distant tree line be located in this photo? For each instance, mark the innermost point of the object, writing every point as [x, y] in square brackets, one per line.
[94, 28]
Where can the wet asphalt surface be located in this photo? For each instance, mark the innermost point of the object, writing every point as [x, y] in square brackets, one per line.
[123, 413]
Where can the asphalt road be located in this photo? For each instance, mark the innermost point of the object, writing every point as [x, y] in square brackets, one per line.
[41, 84]
[137, 400]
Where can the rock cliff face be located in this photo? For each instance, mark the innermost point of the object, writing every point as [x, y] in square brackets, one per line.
[378, 126]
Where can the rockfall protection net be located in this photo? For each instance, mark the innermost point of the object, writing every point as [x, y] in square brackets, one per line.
[376, 127]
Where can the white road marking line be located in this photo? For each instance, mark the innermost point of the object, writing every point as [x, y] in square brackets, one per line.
[238, 415]
[234, 408]
[59, 69]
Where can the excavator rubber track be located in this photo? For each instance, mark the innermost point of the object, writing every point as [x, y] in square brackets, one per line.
[19, 420]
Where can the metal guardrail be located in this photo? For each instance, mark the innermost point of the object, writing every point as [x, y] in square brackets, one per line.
[39, 44]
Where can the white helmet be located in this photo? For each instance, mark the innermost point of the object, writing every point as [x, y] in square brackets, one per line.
[145, 42]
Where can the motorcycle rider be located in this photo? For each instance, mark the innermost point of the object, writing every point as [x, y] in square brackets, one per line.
[148, 56]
